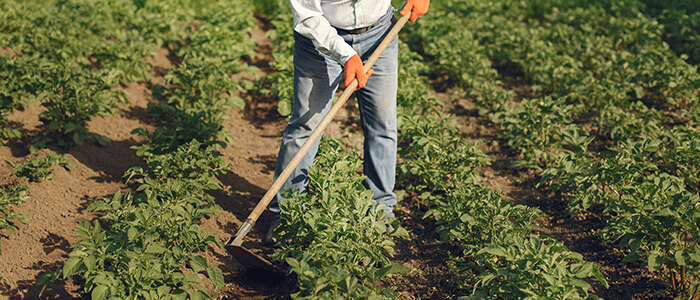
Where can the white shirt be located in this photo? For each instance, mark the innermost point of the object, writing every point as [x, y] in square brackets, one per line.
[317, 20]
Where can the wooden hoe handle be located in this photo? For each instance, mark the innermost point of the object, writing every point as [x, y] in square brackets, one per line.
[315, 135]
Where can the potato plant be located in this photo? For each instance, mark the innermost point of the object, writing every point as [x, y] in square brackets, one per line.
[534, 128]
[335, 240]
[8, 102]
[151, 237]
[436, 155]
[201, 86]
[72, 98]
[39, 169]
[531, 267]
[8, 197]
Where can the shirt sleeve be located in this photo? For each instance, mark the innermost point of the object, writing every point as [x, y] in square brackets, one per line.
[310, 22]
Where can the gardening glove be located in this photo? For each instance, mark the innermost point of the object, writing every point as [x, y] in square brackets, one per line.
[416, 8]
[353, 69]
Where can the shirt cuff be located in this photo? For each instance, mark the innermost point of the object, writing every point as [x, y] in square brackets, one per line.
[345, 53]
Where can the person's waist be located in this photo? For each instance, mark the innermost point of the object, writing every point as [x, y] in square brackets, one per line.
[383, 19]
[355, 31]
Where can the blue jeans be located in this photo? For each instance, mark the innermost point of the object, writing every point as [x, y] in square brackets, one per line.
[316, 79]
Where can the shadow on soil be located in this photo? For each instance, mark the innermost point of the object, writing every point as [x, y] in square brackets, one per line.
[28, 288]
[256, 283]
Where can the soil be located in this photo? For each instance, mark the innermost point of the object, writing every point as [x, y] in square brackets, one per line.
[57, 205]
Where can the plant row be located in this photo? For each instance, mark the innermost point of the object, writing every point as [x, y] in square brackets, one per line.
[501, 257]
[608, 115]
[280, 83]
[147, 242]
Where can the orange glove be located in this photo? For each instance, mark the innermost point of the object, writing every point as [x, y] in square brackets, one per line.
[416, 8]
[353, 69]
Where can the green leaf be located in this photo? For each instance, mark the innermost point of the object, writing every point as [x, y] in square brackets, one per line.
[192, 278]
[200, 294]
[585, 270]
[549, 278]
[665, 212]
[164, 290]
[216, 277]
[89, 262]
[598, 275]
[78, 138]
[655, 262]
[238, 102]
[387, 293]
[197, 262]
[155, 248]
[284, 107]
[680, 260]
[392, 269]
[493, 251]
[633, 241]
[71, 266]
[132, 233]
[100, 292]
[638, 91]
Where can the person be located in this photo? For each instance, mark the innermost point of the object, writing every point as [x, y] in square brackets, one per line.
[332, 38]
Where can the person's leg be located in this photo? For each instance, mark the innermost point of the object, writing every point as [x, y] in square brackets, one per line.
[316, 78]
[377, 102]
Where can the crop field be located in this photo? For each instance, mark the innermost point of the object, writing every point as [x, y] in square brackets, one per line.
[547, 150]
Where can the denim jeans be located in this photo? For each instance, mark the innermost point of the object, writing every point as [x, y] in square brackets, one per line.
[316, 79]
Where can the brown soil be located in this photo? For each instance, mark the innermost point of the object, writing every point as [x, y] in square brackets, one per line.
[57, 205]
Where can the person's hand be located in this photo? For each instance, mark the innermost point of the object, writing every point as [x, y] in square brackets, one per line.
[416, 8]
[353, 69]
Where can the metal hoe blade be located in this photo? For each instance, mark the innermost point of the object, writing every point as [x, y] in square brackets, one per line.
[247, 258]
[244, 256]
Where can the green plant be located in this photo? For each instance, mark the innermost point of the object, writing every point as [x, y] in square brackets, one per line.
[73, 97]
[12, 196]
[473, 215]
[193, 161]
[39, 169]
[436, 156]
[657, 221]
[180, 127]
[7, 99]
[534, 128]
[338, 243]
[269, 8]
[573, 170]
[280, 82]
[139, 257]
[517, 267]
[150, 247]
[680, 155]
